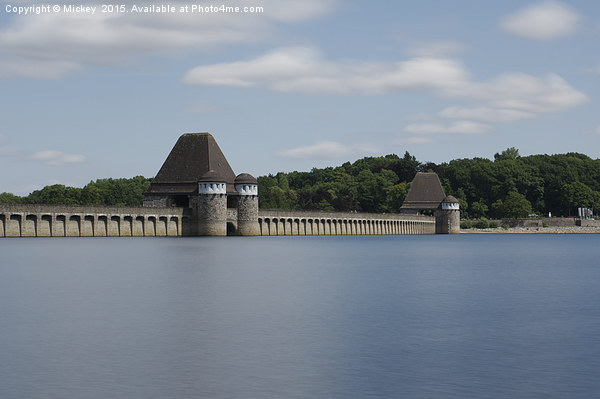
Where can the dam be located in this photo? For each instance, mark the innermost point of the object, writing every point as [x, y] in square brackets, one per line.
[196, 193]
[99, 221]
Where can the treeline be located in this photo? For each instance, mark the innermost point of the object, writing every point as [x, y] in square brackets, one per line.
[117, 192]
[508, 186]
[372, 184]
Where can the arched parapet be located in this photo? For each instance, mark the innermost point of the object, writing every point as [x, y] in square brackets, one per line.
[212, 188]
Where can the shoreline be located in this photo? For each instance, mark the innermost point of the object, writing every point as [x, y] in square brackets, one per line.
[535, 230]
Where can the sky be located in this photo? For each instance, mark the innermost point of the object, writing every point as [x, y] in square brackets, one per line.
[90, 91]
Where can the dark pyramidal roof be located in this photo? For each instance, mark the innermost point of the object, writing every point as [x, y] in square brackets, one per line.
[193, 156]
[425, 192]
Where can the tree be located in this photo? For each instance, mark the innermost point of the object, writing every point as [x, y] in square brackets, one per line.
[8, 198]
[479, 208]
[509, 153]
[577, 195]
[514, 205]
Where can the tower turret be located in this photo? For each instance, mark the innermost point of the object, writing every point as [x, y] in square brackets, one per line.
[447, 217]
[247, 207]
[212, 205]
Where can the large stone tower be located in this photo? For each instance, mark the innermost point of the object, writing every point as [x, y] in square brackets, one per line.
[211, 207]
[196, 176]
[427, 194]
[447, 216]
[247, 206]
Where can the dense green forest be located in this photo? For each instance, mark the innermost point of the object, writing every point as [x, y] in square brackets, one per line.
[119, 192]
[508, 186]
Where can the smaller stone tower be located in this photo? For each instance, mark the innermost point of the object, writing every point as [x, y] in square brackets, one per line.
[447, 216]
[247, 207]
[212, 205]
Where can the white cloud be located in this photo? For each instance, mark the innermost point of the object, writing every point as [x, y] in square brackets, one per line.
[329, 150]
[56, 158]
[513, 97]
[304, 70]
[542, 21]
[505, 98]
[52, 44]
[458, 127]
[486, 114]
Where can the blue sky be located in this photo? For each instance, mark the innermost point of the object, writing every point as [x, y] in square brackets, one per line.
[305, 83]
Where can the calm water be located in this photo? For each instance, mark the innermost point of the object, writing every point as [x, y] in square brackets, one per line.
[481, 316]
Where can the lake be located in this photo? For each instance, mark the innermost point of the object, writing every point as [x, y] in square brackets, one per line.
[467, 316]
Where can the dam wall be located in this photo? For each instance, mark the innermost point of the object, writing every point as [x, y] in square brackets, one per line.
[92, 221]
[103, 221]
[301, 223]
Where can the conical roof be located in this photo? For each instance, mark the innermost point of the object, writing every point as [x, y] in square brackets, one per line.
[194, 155]
[426, 192]
[245, 178]
[451, 198]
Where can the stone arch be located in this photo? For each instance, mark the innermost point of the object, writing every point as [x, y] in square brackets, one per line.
[161, 226]
[127, 226]
[59, 228]
[150, 228]
[231, 229]
[138, 226]
[73, 226]
[87, 226]
[101, 226]
[29, 226]
[172, 227]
